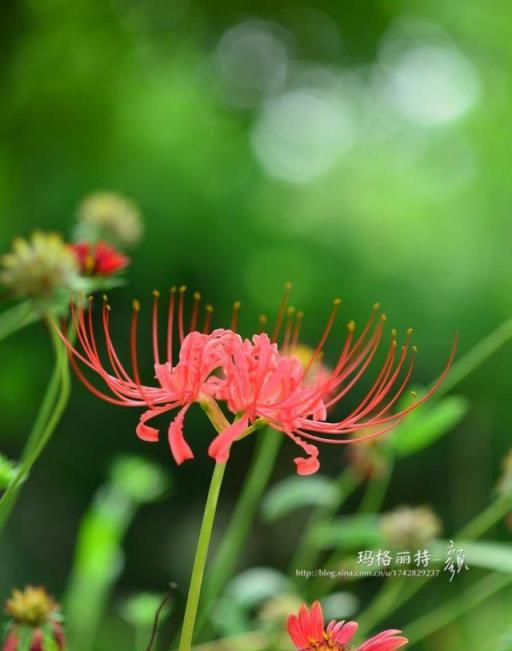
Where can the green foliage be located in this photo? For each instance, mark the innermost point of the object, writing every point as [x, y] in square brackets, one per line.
[99, 556]
[340, 605]
[139, 479]
[493, 556]
[139, 610]
[7, 472]
[505, 643]
[24, 637]
[17, 317]
[244, 594]
[49, 641]
[427, 424]
[297, 492]
[349, 533]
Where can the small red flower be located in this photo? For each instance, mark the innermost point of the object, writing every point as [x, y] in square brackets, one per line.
[100, 259]
[308, 633]
[259, 381]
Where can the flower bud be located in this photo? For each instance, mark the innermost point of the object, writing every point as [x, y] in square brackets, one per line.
[410, 527]
[111, 217]
[369, 459]
[36, 619]
[39, 267]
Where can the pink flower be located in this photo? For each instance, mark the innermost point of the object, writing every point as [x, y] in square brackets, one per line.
[308, 633]
[257, 379]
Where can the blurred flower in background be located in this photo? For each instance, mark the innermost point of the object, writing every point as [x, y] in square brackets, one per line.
[47, 270]
[35, 621]
[109, 216]
[41, 267]
[410, 527]
[370, 459]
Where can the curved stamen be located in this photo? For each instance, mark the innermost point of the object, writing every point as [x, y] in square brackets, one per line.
[330, 322]
[170, 324]
[181, 327]
[115, 362]
[154, 326]
[288, 329]
[195, 311]
[331, 427]
[208, 319]
[262, 323]
[280, 315]
[235, 315]
[133, 352]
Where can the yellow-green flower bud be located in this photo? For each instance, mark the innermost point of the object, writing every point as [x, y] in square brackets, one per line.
[410, 527]
[39, 267]
[109, 216]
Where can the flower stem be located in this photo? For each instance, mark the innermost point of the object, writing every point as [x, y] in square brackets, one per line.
[203, 543]
[47, 419]
[454, 608]
[486, 519]
[376, 491]
[476, 356]
[306, 553]
[225, 559]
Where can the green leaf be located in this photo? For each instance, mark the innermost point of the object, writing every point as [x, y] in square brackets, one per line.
[496, 557]
[49, 641]
[17, 317]
[354, 532]
[427, 424]
[139, 479]
[256, 585]
[297, 492]
[140, 609]
[247, 591]
[7, 472]
[24, 638]
[340, 605]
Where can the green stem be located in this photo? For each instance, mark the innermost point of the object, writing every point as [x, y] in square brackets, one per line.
[486, 519]
[386, 597]
[226, 557]
[47, 419]
[376, 491]
[306, 553]
[447, 612]
[203, 543]
[476, 356]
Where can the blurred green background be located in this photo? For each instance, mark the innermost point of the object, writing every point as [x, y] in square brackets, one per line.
[360, 150]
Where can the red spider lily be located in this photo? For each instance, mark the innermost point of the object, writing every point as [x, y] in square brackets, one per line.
[308, 633]
[100, 259]
[257, 379]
